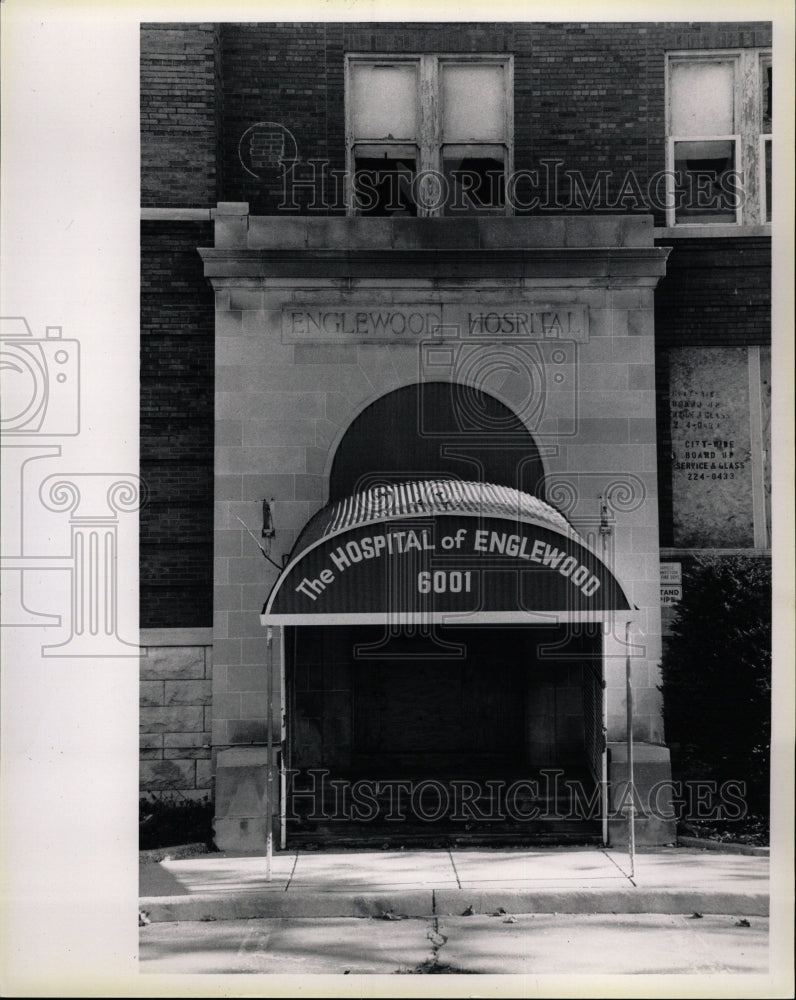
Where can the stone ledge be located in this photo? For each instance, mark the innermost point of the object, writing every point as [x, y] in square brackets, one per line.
[616, 265]
[175, 637]
[234, 227]
[306, 232]
[175, 214]
[723, 847]
[712, 232]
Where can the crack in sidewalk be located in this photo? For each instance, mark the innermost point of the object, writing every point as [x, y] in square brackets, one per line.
[617, 866]
[453, 865]
[292, 871]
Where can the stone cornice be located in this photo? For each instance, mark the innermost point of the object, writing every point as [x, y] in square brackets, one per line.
[519, 262]
[597, 247]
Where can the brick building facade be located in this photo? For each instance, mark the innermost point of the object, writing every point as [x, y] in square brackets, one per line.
[585, 127]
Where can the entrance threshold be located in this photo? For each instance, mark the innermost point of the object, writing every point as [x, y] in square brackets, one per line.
[539, 808]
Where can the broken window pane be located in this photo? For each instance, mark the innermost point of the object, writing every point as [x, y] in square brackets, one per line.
[384, 101]
[766, 96]
[705, 189]
[475, 177]
[702, 98]
[473, 102]
[768, 179]
[383, 181]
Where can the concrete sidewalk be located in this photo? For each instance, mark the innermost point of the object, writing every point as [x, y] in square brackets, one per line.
[453, 881]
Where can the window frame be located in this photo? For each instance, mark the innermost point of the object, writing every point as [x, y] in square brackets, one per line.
[764, 61]
[747, 136]
[429, 142]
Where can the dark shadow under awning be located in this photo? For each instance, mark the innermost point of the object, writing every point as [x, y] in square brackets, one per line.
[442, 552]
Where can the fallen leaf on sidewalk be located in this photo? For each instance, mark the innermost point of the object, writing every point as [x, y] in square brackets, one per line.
[437, 939]
[143, 918]
[695, 916]
[389, 915]
[742, 923]
[499, 912]
[510, 920]
[468, 912]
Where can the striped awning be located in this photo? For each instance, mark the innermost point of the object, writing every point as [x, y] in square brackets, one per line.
[437, 551]
[425, 498]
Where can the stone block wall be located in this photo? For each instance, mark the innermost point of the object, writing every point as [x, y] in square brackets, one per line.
[175, 714]
[599, 426]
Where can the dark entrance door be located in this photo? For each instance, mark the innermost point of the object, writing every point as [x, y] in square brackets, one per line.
[441, 717]
[492, 708]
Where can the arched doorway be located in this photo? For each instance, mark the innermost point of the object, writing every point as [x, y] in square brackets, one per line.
[443, 638]
[436, 430]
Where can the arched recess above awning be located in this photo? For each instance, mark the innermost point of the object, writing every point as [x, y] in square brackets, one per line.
[445, 552]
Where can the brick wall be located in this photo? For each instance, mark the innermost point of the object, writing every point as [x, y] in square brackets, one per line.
[715, 292]
[177, 357]
[590, 95]
[180, 114]
[175, 713]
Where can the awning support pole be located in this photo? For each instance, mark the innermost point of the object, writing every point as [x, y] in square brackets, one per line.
[606, 530]
[631, 808]
[269, 806]
[604, 775]
[283, 744]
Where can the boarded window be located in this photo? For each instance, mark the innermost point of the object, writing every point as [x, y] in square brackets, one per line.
[702, 98]
[428, 134]
[473, 103]
[718, 116]
[384, 101]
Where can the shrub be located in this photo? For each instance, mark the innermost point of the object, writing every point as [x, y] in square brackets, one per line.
[716, 675]
[164, 822]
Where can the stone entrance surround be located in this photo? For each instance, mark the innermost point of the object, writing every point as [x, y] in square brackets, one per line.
[318, 317]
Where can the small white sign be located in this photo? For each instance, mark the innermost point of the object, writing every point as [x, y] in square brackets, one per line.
[671, 574]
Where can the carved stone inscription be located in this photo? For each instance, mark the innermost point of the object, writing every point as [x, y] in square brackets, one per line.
[401, 322]
[711, 448]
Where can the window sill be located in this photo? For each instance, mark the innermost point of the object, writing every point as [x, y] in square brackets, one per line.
[667, 554]
[711, 231]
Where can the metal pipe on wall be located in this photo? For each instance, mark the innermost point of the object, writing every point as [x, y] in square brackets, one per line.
[283, 743]
[631, 808]
[269, 805]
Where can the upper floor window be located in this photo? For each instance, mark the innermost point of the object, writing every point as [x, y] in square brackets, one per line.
[428, 135]
[718, 150]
